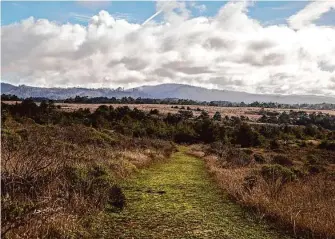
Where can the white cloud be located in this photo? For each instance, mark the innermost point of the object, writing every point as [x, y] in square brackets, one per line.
[228, 51]
[310, 13]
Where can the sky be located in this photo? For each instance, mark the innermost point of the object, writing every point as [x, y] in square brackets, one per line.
[277, 47]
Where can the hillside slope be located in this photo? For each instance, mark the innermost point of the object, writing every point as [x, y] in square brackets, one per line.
[162, 91]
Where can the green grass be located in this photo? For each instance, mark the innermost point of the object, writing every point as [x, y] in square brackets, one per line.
[178, 199]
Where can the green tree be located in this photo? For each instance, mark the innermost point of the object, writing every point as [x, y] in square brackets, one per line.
[246, 136]
[217, 116]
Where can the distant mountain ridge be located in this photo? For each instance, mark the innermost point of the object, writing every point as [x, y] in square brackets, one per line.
[163, 91]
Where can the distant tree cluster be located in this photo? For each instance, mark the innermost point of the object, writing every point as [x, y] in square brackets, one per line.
[300, 118]
[5, 97]
[181, 127]
[174, 101]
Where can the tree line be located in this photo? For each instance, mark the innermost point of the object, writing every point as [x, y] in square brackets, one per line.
[182, 127]
[173, 101]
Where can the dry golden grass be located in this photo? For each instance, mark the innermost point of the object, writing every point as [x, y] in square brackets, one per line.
[306, 206]
[54, 176]
[250, 112]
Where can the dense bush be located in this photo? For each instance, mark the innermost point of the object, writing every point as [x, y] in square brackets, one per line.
[246, 136]
[282, 160]
[326, 144]
[182, 127]
[59, 173]
[259, 158]
[272, 173]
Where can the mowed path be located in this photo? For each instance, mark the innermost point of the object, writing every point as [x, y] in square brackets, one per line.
[177, 199]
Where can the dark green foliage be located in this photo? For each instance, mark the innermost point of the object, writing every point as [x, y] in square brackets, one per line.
[206, 130]
[203, 116]
[327, 144]
[311, 121]
[234, 157]
[274, 144]
[315, 169]
[311, 130]
[246, 136]
[185, 114]
[185, 134]
[217, 116]
[247, 151]
[315, 164]
[92, 183]
[313, 159]
[274, 172]
[116, 197]
[238, 158]
[181, 127]
[154, 112]
[9, 97]
[302, 144]
[259, 158]
[282, 160]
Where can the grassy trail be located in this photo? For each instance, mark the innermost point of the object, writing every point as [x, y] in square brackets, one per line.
[177, 199]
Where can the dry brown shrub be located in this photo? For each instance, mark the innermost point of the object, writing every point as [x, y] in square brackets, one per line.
[301, 202]
[196, 150]
[306, 205]
[54, 175]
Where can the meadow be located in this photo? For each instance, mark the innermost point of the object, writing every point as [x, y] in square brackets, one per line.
[107, 170]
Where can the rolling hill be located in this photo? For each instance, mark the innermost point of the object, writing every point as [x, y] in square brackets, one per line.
[162, 91]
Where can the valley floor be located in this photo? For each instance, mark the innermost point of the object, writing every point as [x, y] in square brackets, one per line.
[178, 199]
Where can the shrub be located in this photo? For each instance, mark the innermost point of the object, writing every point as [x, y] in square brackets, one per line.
[185, 114]
[235, 157]
[249, 182]
[247, 151]
[154, 112]
[313, 159]
[282, 160]
[274, 144]
[53, 175]
[259, 158]
[116, 198]
[315, 169]
[91, 183]
[303, 144]
[272, 173]
[217, 116]
[326, 144]
[246, 136]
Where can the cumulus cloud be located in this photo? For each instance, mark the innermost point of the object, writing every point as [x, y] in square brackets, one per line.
[310, 13]
[227, 51]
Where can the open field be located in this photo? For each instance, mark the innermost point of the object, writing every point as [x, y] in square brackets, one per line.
[114, 172]
[253, 113]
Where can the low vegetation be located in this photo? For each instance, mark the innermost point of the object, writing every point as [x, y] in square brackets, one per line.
[178, 199]
[130, 100]
[63, 169]
[295, 187]
[55, 177]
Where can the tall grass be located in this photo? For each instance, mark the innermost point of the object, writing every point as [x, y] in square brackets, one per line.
[55, 177]
[304, 204]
